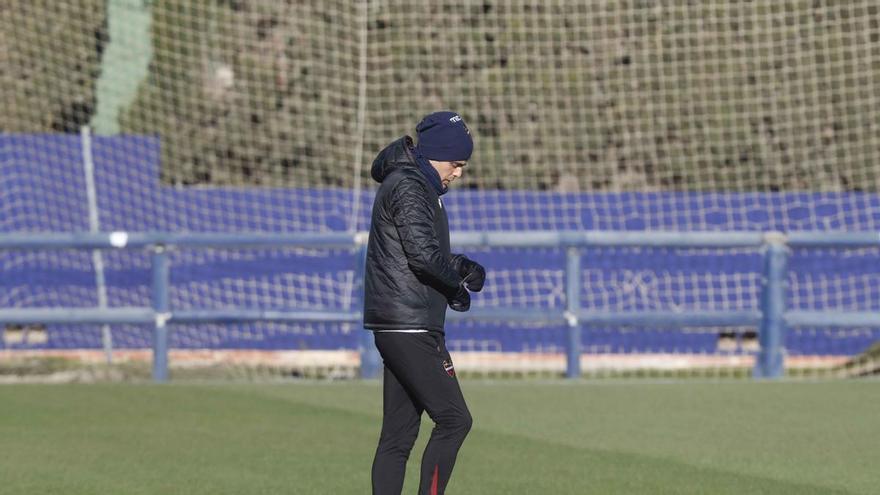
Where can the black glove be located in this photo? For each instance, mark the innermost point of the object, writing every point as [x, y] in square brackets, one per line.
[475, 276]
[472, 273]
[461, 300]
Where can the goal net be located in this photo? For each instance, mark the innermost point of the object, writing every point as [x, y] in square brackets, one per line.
[264, 116]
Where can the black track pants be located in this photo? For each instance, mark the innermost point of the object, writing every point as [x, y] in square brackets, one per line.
[418, 377]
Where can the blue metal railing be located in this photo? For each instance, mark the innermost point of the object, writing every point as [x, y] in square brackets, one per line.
[772, 319]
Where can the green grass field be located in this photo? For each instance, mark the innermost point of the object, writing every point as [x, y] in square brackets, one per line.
[537, 438]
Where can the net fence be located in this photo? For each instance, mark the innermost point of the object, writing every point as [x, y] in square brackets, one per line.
[264, 116]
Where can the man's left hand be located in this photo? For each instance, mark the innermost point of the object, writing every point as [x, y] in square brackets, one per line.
[461, 300]
[473, 274]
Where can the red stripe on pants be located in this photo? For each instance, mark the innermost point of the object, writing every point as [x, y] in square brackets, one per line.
[436, 480]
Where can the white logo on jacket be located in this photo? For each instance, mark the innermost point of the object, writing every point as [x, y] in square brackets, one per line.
[440, 203]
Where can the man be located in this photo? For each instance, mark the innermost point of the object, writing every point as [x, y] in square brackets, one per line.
[411, 276]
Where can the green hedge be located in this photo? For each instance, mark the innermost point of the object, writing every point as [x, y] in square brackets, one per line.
[49, 62]
[603, 96]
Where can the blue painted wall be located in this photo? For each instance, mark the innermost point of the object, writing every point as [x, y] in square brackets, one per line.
[42, 188]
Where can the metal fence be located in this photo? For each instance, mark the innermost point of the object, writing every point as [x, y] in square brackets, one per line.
[772, 320]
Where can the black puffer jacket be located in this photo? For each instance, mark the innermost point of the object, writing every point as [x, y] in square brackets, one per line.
[410, 272]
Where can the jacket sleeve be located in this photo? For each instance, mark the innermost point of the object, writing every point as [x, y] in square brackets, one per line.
[413, 217]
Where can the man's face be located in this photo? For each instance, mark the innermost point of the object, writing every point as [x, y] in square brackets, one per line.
[449, 171]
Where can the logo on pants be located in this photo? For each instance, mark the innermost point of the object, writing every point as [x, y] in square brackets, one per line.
[450, 370]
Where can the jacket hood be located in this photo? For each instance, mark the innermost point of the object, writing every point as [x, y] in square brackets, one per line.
[394, 156]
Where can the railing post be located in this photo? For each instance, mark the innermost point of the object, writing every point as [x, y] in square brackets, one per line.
[573, 307]
[160, 307]
[370, 360]
[771, 335]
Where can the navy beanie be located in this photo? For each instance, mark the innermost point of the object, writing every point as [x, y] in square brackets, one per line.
[443, 136]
